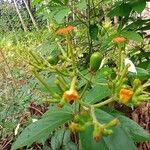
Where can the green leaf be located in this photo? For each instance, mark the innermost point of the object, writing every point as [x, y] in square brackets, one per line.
[144, 65]
[100, 89]
[97, 93]
[62, 140]
[51, 82]
[57, 2]
[145, 27]
[93, 30]
[142, 74]
[136, 132]
[66, 110]
[120, 139]
[46, 48]
[100, 76]
[81, 5]
[136, 24]
[120, 9]
[88, 143]
[60, 15]
[41, 129]
[66, 2]
[57, 139]
[131, 35]
[142, 55]
[138, 5]
[35, 2]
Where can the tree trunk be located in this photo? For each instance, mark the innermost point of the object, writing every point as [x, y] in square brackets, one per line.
[30, 5]
[20, 17]
[31, 16]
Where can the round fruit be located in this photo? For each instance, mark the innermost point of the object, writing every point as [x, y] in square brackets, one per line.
[53, 60]
[95, 61]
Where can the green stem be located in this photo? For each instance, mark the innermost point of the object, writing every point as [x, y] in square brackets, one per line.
[70, 46]
[41, 79]
[65, 58]
[119, 80]
[60, 72]
[120, 59]
[60, 85]
[125, 71]
[147, 93]
[63, 82]
[146, 85]
[36, 66]
[88, 33]
[73, 83]
[61, 49]
[103, 103]
[84, 77]
[84, 104]
[93, 115]
[35, 57]
[86, 86]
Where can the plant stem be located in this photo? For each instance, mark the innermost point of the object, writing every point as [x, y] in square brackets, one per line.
[93, 114]
[88, 33]
[73, 83]
[86, 86]
[40, 78]
[84, 104]
[61, 49]
[60, 72]
[84, 77]
[70, 46]
[120, 59]
[35, 57]
[62, 81]
[103, 103]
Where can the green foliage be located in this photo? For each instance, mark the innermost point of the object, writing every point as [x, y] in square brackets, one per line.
[131, 35]
[61, 139]
[123, 8]
[108, 143]
[143, 74]
[126, 133]
[73, 91]
[120, 9]
[97, 93]
[138, 5]
[40, 130]
[93, 30]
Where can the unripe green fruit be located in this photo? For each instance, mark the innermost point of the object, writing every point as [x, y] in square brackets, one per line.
[95, 61]
[53, 60]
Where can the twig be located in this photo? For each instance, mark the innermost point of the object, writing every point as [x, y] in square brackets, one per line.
[36, 109]
[6, 144]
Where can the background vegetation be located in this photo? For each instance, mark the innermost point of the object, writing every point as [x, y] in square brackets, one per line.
[28, 30]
